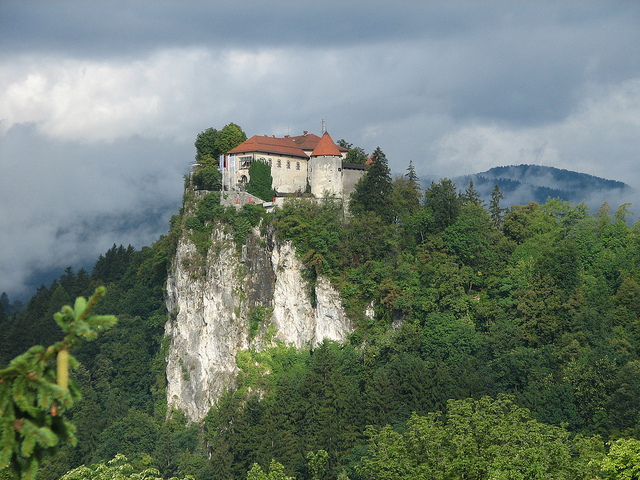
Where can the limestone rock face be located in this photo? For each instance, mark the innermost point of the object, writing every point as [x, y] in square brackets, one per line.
[210, 300]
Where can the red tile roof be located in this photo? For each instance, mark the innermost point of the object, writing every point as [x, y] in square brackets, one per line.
[309, 142]
[326, 147]
[264, 144]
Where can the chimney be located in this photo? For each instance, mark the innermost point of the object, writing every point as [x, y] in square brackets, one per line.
[305, 132]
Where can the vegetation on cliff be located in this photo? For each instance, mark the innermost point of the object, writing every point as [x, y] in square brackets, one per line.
[505, 344]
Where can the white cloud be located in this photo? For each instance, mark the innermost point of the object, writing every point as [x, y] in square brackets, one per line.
[97, 131]
[600, 137]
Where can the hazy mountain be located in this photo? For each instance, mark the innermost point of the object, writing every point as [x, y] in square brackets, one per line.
[522, 184]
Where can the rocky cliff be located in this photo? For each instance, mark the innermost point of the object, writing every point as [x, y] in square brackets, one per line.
[212, 299]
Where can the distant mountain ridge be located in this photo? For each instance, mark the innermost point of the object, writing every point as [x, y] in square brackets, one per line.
[521, 184]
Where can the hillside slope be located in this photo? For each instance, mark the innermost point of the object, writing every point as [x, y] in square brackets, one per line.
[521, 184]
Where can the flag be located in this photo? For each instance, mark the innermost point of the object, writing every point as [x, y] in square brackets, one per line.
[220, 163]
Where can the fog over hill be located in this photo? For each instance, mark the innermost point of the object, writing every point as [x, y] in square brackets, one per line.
[521, 184]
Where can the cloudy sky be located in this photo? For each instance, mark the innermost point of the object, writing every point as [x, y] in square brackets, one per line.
[101, 101]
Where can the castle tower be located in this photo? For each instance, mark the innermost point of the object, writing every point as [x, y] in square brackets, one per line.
[325, 168]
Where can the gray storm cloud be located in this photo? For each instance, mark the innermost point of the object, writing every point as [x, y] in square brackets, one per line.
[99, 106]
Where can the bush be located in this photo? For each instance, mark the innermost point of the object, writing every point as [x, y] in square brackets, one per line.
[209, 208]
[208, 178]
[261, 181]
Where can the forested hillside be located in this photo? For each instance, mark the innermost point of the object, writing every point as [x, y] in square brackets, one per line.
[504, 344]
[525, 183]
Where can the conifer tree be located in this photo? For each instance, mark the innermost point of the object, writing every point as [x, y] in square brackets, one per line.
[373, 191]
[443, 202]
[34, 392]
[471, 196]
[411, 173]
[494, 206]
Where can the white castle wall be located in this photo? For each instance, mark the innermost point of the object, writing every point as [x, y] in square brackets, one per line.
[325, 175]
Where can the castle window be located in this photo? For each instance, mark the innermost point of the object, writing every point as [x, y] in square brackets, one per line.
[297, 165]
[270, 163]
[288, 164]
[245, 162]
[279, 164]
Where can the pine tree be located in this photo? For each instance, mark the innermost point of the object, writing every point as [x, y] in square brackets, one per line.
[373, 191]
[443, 203]
[411, 173]
[471, 196]
[494, 206]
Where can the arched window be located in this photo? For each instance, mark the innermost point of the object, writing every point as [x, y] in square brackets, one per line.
[297, 165]
[279, 163]
[288, 164]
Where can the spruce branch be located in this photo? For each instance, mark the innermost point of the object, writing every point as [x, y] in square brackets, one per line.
[34, 393]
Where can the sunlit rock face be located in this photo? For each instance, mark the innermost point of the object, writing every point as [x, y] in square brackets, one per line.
[210, 300]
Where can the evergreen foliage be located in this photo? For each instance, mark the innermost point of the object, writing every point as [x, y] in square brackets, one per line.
[260, 181]
[494, 207]
[470, 303]
[34, 394]
[373, 191]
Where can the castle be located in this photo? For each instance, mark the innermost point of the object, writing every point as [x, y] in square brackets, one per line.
[298, 164]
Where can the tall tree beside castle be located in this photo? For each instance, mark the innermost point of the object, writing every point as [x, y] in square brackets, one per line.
[212, 143]
[373, 191]
[355, 154]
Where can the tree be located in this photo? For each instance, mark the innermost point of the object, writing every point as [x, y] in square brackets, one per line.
[411, 174]
[260, 180]
[318, 464]
[276, 472]
[118, 468]
[355, 154]
[442, 201]
[471, 196]
[405, 199]
[34, 393]
[373, 191]
[211, 143]
[623, 460]
[494, 206]
[208, 177]
[480, 439]
[471, 238]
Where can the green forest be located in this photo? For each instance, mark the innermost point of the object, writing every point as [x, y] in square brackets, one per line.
[505, 345]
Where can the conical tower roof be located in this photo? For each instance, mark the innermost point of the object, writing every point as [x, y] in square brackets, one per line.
[326, 147]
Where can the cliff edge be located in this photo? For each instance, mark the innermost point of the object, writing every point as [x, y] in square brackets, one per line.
[214, 302]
